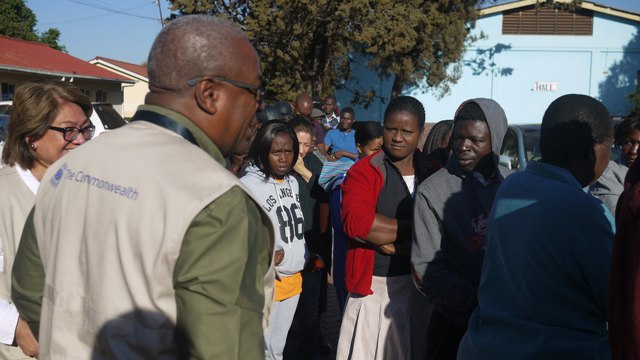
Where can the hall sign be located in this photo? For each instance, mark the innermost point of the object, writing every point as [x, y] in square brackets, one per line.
[545, 86]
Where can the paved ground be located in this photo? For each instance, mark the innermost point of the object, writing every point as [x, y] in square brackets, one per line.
[330, 322]
[329, 328]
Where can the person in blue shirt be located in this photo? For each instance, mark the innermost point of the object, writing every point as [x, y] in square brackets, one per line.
[342, 141]
[544, 282]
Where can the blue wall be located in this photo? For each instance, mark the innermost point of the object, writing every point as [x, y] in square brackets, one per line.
[604, 66]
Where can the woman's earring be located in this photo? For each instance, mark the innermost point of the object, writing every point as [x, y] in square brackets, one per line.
[33, 146]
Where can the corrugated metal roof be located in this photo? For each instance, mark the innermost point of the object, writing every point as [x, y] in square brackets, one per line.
[28, 56]
[489, 7]
[136, 69]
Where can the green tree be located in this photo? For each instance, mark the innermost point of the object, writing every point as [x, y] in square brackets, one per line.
[17, 20]
[51, 37]
[311, 45]
[635, 98]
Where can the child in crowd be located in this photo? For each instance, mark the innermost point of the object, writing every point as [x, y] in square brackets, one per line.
[274, 153]
[341, 141]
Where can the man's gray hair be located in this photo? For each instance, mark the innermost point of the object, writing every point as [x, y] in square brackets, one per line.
[192, 46]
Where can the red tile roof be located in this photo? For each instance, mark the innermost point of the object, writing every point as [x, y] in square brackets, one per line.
[33, 57]
[136, 69]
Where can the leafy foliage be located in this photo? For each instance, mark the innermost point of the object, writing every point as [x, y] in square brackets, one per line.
[635, 100]
[50, 37]
[18, 21]
[311, 45]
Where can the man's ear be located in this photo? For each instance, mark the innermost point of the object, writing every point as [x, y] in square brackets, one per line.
[207, 95]
[590, 155]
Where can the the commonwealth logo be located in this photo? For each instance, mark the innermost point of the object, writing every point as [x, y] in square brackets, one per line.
[81, 177]
[57, 177]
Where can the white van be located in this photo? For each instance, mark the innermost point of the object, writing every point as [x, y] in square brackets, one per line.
[105, 117]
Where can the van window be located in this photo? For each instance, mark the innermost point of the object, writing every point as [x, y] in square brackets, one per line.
[109, 116]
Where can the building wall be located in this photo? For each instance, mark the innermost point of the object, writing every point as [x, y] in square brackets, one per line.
[133, 94]
[524, 73]
[90, 87]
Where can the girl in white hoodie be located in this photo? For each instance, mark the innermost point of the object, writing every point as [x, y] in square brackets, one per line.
[274, 152]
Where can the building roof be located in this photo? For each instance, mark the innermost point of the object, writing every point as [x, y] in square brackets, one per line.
[125, 68]
[585, 5]
[37, 58]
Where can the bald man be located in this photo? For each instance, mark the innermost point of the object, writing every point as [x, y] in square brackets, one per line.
[303, 105]
[150, 248]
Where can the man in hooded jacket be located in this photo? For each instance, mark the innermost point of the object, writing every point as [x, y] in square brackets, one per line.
[450, 212]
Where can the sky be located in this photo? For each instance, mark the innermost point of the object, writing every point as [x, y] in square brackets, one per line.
[125, 29]
[117, 29]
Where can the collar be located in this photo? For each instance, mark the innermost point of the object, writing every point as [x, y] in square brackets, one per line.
[452, 164]
[482, 180]
[202, 139]
[28, 179]
[552, 172]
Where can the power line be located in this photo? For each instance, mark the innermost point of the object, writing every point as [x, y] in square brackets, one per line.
[121, 12]
[87, 17]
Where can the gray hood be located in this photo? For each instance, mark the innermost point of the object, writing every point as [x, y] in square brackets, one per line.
[496, 121]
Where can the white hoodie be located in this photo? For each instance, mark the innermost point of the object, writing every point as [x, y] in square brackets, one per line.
[281, 200]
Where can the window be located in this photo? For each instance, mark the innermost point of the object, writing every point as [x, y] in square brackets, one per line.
[108, 115]
[509, 156]
[101, 96]
[7, 91]
[547, 21]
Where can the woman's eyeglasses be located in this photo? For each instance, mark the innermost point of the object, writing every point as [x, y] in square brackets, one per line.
[71, 133]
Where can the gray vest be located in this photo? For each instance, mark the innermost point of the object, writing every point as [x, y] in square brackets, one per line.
[110, 220]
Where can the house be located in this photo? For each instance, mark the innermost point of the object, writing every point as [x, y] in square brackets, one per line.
[134, 94]
[22, 61]
[532, 55]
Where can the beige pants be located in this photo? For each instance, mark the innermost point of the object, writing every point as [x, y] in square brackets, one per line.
[384, 325]
[12, 353]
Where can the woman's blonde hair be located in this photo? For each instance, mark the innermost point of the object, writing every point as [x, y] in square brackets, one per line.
[35, 106]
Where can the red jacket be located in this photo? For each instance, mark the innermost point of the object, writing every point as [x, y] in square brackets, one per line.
[360, 191]
[624, 279]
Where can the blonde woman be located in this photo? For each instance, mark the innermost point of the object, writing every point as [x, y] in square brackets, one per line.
[48, 119]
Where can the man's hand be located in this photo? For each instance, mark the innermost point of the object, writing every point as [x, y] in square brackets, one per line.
[237, 160]
[344, 153]
[25, 339]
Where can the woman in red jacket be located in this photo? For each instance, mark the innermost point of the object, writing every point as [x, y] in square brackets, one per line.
[377, 210]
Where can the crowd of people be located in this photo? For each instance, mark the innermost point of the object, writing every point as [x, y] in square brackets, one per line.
[211, 225]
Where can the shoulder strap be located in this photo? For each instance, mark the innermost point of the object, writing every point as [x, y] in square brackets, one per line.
[165, 122]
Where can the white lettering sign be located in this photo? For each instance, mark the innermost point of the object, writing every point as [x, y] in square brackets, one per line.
[545, 86]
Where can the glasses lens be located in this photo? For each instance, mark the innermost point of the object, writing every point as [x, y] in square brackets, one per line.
[87, 132]
[71, 133]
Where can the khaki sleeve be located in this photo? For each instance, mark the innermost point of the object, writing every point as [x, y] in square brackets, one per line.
[27, 277]
[219, 280]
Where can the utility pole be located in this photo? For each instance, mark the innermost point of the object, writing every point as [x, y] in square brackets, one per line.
[160, 10]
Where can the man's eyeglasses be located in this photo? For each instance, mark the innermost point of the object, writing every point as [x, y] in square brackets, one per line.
[71, 133]
[257, 91]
